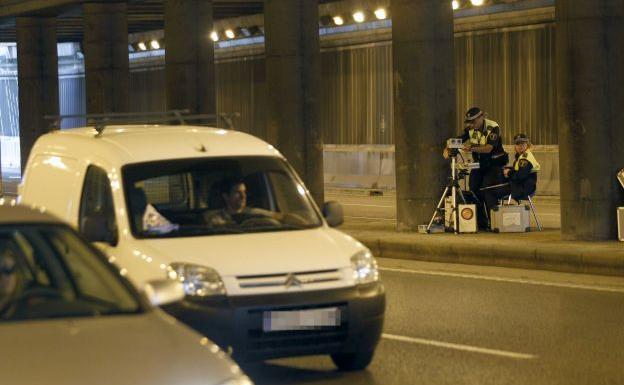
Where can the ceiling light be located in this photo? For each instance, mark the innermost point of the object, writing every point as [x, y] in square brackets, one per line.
[359, 16]
[214, 36]
[154, 44]
[142, 46]
[229, 33]
[455, 4]
[338, 20]
[477, 3]
[381, 14]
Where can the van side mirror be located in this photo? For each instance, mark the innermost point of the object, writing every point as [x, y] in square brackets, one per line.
[95, 229]
[164, 291]
[332, 211]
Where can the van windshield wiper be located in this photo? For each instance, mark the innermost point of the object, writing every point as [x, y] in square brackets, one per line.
[207, 230]
[282, 227]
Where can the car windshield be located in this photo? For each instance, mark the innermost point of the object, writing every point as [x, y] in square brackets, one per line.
[209, 196]
[47, 271]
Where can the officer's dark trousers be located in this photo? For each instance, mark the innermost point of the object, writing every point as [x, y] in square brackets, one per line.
[519, 190]
[484, 177]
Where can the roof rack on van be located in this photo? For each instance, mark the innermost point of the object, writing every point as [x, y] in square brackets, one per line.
[100, 121]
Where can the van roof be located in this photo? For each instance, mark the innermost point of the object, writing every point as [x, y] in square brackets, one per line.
[123, 144]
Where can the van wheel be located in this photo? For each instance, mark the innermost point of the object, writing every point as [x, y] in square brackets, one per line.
[352, 361]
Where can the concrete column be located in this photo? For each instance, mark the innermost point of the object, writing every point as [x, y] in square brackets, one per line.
[293, 77]
[590, 89]
[37, 73]
[424, 104]
[189, 60]
[105, 45]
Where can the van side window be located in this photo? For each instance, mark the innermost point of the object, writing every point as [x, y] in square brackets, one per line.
[96, 204]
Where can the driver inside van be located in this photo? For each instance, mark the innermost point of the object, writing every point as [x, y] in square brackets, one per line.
[233, 192]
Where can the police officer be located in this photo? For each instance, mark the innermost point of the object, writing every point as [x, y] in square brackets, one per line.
[482, 138]
[523, 174]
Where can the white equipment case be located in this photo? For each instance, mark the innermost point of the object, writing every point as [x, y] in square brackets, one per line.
[510, 219]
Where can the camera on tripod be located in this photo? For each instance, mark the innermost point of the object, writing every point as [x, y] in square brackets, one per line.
[454, 145]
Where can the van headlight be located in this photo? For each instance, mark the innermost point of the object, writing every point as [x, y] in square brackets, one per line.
[198, 281]
[240, 380]
[364, 267]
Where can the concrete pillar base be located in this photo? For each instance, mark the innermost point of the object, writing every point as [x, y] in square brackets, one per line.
[424, 105]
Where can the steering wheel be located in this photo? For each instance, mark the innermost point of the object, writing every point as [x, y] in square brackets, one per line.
[259, 221]
[294, 219]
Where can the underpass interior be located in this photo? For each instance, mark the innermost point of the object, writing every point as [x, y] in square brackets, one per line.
[346, 111]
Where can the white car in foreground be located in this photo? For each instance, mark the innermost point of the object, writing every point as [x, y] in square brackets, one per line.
[67, 317]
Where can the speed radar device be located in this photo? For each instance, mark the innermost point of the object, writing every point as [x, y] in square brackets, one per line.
[455, 143]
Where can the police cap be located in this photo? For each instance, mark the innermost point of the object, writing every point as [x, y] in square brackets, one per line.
[521, 138]
[472, 114]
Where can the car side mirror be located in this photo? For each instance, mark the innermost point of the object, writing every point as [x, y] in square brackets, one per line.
[164, 291]
[95, 229]
[332, 211]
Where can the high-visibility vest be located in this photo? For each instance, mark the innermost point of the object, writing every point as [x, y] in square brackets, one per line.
[528, 156]
[478, 138]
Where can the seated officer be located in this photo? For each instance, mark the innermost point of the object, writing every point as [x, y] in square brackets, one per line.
[522, 176]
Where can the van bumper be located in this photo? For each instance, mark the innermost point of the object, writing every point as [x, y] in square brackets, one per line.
[237, 322]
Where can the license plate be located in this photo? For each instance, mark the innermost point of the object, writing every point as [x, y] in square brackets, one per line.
[309, 319]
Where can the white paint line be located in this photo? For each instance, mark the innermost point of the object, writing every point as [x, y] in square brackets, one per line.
[512, 280]
[467, 348]
[365, 205]
[372, 218]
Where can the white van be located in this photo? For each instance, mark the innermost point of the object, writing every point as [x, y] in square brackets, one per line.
[222, 211]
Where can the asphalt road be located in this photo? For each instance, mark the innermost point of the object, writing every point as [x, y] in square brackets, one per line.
[457, 324]
[360, 206]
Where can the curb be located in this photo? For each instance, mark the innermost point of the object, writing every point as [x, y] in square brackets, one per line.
[552, 256]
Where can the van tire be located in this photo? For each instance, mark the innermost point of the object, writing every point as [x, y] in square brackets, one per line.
[353, 361]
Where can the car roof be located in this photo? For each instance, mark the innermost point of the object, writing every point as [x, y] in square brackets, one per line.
[18, 214]
[123, 144]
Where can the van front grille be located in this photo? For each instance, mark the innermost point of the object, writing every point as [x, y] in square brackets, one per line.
[300, 279]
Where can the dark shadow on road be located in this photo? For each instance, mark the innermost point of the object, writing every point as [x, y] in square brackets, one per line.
[275, 373]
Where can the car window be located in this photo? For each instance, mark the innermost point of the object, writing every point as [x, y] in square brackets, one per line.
[57, 275]
[208, 196]
[90, 276]
[97, 202]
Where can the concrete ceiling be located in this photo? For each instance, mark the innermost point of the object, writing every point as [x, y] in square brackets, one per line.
[143, 15]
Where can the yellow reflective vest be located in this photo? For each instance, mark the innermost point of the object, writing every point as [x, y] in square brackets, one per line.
[528, 156]
[478, 138]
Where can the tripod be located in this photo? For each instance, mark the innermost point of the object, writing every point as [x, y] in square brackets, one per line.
[454, 189]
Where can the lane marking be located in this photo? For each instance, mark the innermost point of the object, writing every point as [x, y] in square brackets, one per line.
[365, 205]
[372, 218]
[466, 348]
[610, 289]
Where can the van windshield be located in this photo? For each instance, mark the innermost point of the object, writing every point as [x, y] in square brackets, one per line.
[206, 196]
